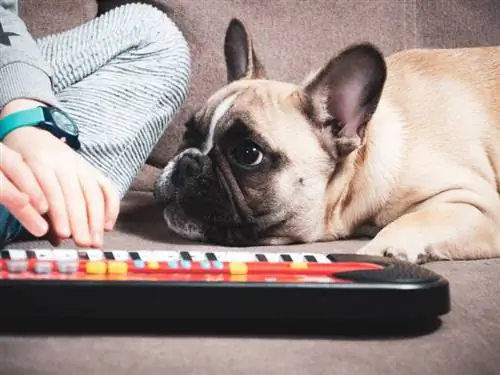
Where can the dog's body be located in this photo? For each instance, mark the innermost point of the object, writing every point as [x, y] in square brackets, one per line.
[405, 149]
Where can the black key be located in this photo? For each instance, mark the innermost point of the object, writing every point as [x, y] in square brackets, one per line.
[310, 258]
[286, 258]
[5, 254]
[134, 255]
[261, 257]
[211, 257]
[83, 255]
[185, 256]
[109, 255]
[31, 254]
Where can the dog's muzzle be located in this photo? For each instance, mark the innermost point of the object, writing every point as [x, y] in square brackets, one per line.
[184, 165]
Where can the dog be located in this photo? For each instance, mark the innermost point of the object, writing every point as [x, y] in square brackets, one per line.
[403, 149]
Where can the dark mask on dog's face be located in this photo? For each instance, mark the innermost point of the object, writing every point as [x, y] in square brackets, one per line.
[233, 182]
[258, 159]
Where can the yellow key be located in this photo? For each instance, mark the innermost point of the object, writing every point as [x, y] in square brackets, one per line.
[118, 268]
[298, 265]
[153, 265]
[96, 267]
[236, 268]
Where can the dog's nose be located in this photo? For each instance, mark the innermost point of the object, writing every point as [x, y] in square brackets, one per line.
[188, 166]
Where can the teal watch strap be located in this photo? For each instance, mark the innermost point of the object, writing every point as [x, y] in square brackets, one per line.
[28, 117]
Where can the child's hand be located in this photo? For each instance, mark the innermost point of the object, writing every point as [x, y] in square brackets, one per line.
[82, 202]
[20, 192]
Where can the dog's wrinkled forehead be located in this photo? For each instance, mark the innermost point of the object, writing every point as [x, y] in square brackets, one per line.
[256, 103]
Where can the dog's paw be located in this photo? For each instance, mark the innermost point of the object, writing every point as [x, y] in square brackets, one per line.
[412, 254]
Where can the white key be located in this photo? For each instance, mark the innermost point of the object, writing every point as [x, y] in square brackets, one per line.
[273, 257]
[43, 254]
[249, 257]
[120, 255]
[18, 254]
[296, 257]
[63, 255]
[197, 256]
[146, 255]
[165, 256]
[320, 258]
[235, 256]
[222, 256]
[242, 256]
[93, 254]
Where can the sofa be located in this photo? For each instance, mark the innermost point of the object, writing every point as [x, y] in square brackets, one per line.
[292, 37]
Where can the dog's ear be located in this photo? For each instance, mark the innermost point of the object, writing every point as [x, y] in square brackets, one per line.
[241, 60]
[344, 94]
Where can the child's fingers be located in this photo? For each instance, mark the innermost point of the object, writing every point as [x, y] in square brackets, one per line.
[50, 186]
[20, 175]
[17, 203]
[76, 207]
[95, 208]
[112, 201]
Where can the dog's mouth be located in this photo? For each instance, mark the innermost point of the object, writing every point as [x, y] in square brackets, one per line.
[218, 227]
[194, 229]
[229, 227]
[179, 222]
[166, 193]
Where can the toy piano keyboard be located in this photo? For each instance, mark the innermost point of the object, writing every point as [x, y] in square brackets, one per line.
[62, 283]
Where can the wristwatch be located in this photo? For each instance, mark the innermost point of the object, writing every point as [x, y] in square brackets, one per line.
[51, 119]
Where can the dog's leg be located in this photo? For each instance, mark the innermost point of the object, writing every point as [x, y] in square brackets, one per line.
[443, 231]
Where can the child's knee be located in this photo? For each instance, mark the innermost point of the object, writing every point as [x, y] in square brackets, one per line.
[161, 49]
[154, 29]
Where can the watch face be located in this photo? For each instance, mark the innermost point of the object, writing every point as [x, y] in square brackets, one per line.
[63, 121]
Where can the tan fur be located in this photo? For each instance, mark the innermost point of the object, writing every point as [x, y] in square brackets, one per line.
[271, 108]
[448, 165]
[425, 181]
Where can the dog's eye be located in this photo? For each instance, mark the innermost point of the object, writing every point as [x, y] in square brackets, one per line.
[247, 155]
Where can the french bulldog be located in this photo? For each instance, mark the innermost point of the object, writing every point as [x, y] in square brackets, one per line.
[404, 149]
